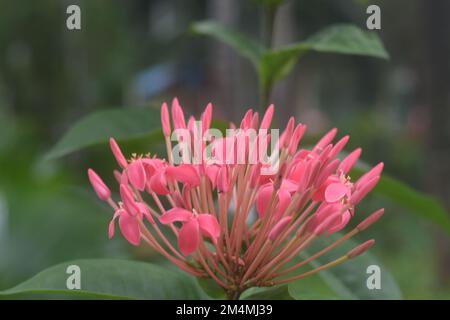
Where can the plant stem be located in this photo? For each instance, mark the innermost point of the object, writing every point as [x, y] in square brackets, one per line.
[234, 295]
[268, 23]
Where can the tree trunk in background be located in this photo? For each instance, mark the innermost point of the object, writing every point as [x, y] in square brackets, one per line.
[437, 37]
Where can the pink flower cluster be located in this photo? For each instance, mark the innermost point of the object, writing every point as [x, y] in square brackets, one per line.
[233, 223]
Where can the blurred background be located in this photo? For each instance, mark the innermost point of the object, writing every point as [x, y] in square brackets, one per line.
[139, 53]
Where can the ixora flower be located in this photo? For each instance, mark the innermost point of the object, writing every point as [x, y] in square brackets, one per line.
[237, 222]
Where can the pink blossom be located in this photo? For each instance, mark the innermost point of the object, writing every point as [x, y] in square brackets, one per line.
[242, 213]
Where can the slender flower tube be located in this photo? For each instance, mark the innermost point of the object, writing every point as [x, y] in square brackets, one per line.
[242, 206]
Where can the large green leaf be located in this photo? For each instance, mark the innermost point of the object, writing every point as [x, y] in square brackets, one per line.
[98, 127]
[341, 38]
[347, 39]
[348, 280]
[416, 202]
[243, 45]
[273, 65]
[112, 279]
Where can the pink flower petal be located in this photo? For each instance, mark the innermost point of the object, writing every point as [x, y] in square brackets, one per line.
[319, 195]
[284, 200]
[129, 227]
[209, 226]
[112, 223]
[158, 183]
[144, 211]
[325, 140]
[129, 203]
[184, 173]
[136, 174]
[211, 172]
[188, 237]
[289, 185]
[175, 214]
[335, 192]
[345, 218]
[111, 229]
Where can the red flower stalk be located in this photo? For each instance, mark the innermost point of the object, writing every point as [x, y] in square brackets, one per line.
[239, 214]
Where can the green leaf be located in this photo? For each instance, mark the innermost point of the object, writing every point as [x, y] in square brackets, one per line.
[342, 38]
[348, 280]
[267, 293]
[243, 45]
[277, 64]
[211, 288]
[112, 279]
[347, 39]
[98, 127]
[400, 193]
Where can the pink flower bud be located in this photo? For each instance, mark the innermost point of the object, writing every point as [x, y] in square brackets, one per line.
[206, 117]
[279, 227]
[349, 161]
[184, 173]
[267, 119]
[118, 153]
[359, 250]
[99, 186]
[363, 190]
[118, 176]
[165, 120]
[338, 147]
[375, 171]
[136, 174]
[247, 120]
[179, 122]
[287, 133]
[326, 139]
[327, 223]
[296, 137]
[370, 220]
[255, 120]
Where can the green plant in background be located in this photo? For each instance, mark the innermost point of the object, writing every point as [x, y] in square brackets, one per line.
[273, 64]
[126, 279]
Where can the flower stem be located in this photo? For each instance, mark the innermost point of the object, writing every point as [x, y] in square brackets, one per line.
[268, 23]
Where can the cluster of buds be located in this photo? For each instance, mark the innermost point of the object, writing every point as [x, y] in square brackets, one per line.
[238, 222]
